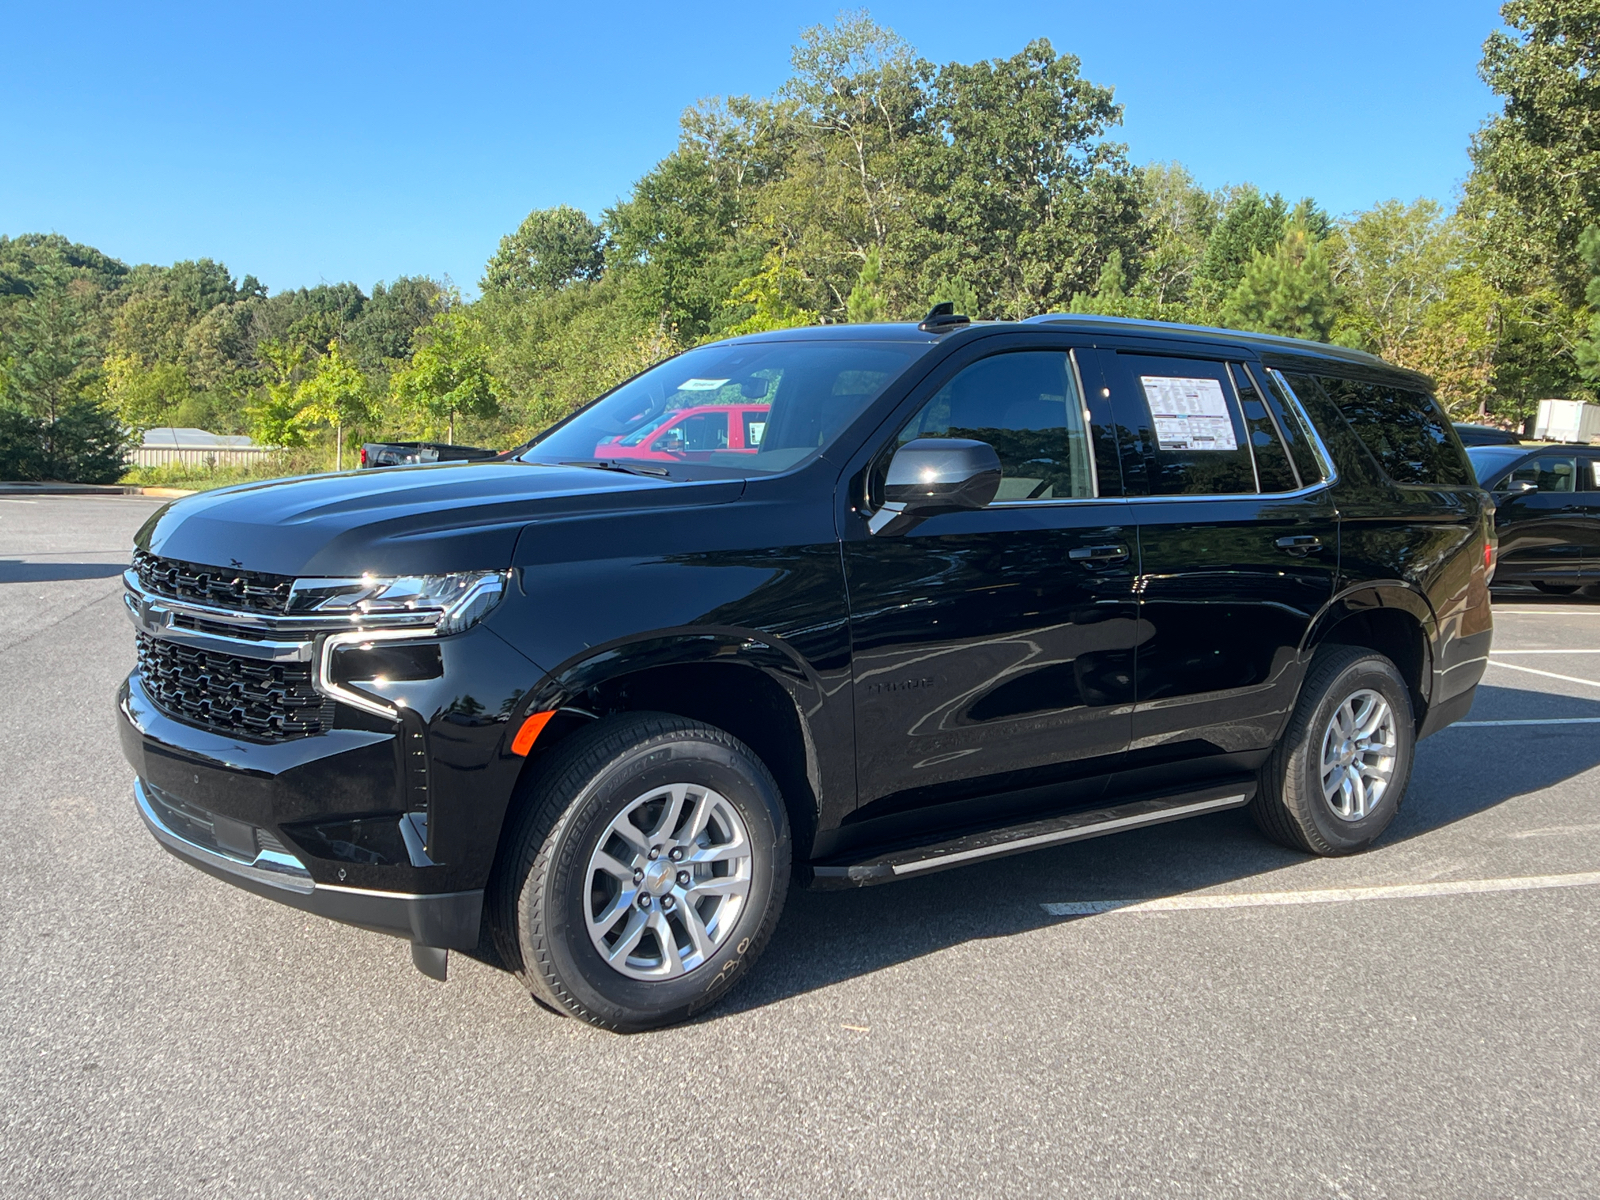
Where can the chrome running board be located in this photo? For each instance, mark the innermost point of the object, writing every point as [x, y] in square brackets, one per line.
[1031, 835]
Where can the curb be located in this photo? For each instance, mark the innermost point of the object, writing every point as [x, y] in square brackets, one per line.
[91, 489]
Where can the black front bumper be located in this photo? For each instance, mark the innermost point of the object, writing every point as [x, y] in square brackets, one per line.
[216, 803]
[448, 921]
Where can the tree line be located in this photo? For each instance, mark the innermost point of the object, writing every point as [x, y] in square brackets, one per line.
[868, 187]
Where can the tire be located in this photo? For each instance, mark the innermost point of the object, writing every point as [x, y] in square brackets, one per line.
[1291, 805]
[642, 780]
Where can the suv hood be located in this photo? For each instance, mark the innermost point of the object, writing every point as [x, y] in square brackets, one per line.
[404, 520]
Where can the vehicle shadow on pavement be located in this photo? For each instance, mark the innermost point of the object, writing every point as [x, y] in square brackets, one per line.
[14, 570]
[828, 937]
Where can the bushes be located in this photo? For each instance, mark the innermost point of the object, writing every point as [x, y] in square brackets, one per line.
[84, 444]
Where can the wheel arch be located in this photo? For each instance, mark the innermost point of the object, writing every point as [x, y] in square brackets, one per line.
[1392, 618]
[745, 682]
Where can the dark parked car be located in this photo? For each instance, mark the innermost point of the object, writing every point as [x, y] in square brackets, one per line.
[1547, 513]
[1485, 435]
[405, 454]
[981, 588]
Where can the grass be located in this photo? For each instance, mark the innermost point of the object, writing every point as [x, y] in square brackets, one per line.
[201, 478]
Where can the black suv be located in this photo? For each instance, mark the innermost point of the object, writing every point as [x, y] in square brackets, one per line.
[972, 589]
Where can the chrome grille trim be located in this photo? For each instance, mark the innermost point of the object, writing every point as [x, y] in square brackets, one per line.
[244, 697]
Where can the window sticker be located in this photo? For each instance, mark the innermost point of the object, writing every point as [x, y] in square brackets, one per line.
[1189, 414]
[701, 385]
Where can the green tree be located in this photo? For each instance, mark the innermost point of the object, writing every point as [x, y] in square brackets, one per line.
[1019, 186]
[1535, 183]
[446, 377]
[765, 292]
[1179, 218]
[145, 397]
[552, 248]
[1289, 291]
[58, 428]
[866, 303]
[1393, 263]
[1250, 225]
[383, 330]
[274, 415]
[336, 395]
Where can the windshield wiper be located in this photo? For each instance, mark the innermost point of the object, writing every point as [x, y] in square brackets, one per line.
[611, 464]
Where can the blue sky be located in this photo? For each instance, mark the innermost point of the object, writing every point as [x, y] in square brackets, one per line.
[319, 142]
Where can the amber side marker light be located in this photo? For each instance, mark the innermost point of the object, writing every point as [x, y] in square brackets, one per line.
[529, 733]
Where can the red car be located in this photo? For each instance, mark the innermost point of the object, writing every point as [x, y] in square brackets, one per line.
[687, 433]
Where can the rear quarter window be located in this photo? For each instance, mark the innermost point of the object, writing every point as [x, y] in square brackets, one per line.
[1404, 429]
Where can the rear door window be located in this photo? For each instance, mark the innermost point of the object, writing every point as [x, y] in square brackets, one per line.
[1404, 430]
[1191, 433]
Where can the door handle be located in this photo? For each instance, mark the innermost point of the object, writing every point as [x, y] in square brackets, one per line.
[1299, 545]
[1098, 554]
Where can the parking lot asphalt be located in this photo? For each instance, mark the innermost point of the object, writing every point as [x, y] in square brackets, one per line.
[1399, 1024]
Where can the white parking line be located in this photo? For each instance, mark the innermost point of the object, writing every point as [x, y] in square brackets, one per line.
[1398, 891]
[1547, 651]
[1550, 721]
[1555, 831]
[1570, 611]
[1505, 666]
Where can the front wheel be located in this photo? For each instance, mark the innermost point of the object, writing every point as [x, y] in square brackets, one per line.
[1335, 780]
[646, 874]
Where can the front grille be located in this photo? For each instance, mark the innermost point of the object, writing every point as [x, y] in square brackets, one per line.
[247, 591]
[256, 699]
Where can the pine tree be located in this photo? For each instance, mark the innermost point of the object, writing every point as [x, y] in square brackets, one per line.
[865, 303]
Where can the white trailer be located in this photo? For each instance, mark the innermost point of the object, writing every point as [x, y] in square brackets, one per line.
[1567, 421]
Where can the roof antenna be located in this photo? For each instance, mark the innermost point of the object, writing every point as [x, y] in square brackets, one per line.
[943, 316]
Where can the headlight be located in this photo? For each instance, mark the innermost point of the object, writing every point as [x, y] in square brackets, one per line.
[445, 604]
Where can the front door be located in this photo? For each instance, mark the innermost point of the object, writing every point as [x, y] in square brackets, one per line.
[1237, 555]
[993, 649]
[1543, 532]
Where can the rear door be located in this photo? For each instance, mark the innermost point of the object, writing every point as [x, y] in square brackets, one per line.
[1238, 551]
[993, 649]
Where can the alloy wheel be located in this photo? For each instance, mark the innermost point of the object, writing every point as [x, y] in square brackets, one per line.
[1359, 750]
[667, 881]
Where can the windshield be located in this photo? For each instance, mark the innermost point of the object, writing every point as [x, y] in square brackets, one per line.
[757, 407]
[1489, 461]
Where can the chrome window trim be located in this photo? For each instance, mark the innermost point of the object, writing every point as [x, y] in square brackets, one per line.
[1330, 472]
[1272, 419]
[1190, 497]
[1088, 434]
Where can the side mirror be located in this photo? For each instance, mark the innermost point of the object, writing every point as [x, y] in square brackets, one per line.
[936, 475]
[1520, 487]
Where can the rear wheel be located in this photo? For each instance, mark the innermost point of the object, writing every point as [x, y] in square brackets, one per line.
[646, 873]
[1336, 778]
